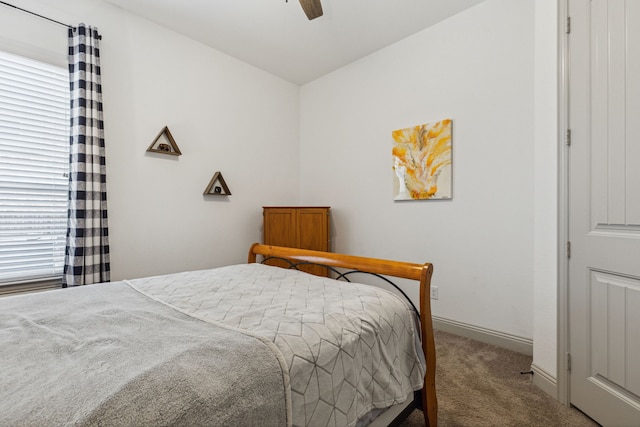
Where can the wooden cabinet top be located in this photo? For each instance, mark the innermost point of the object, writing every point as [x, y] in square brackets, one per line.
[296, 207]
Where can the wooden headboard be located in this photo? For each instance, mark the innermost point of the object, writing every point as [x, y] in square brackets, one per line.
[405, 270]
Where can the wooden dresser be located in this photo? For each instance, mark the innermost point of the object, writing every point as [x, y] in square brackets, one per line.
[305, 227]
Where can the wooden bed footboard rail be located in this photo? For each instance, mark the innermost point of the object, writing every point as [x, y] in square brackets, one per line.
[405, 270]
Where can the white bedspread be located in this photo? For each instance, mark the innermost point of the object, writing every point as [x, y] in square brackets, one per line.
[350, 348]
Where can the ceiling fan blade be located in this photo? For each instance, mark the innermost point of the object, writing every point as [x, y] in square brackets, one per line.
[312, 8]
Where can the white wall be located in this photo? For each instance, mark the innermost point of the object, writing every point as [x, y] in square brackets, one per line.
[224, 114]
[545, 276]
[476, 68]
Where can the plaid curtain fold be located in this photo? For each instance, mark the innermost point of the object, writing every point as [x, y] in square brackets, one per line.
[87, 248]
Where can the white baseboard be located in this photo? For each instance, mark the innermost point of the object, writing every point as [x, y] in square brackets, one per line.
[545, 381]
[489, 336]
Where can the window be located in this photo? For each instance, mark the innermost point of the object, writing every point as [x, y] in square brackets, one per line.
[34, 165]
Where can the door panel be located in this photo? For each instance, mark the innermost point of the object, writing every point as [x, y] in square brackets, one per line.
[313, 231]
[279, 230]
[604, 209]
[280, 227]
[633, 110]
[612, 299]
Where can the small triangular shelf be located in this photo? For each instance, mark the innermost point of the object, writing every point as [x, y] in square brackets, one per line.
[160, 147]
[217, 186]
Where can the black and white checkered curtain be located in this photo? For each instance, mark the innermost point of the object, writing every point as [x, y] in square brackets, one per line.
[87, 251]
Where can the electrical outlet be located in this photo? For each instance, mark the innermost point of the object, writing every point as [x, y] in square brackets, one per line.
[434, 292]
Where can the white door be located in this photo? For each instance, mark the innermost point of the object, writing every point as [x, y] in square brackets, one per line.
[604, 209]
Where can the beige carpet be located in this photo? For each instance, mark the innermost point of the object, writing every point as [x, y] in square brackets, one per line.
[481, 385]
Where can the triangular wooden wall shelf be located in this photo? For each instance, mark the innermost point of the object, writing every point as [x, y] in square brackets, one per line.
[171, 148]
[217, 186]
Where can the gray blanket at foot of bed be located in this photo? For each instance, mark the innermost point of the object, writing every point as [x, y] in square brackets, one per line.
[107, 355]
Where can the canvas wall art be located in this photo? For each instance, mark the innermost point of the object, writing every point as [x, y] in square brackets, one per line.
[422, 161]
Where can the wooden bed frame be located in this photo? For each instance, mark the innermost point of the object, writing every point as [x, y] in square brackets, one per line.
[405, 270]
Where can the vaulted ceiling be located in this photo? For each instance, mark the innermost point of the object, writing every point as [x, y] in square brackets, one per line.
[276, 36]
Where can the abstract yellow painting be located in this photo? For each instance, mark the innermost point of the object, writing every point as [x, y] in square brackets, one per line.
[422, 161]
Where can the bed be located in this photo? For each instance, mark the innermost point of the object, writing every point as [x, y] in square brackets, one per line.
[248, 344]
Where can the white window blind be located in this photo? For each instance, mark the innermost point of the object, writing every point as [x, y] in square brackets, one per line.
[34, 165]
